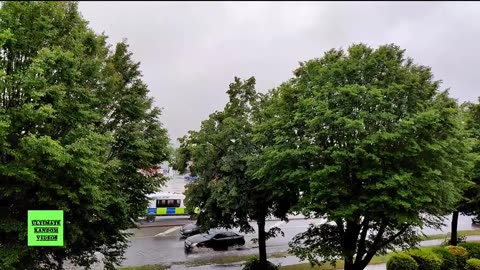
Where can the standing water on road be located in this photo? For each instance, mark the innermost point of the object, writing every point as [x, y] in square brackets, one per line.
[176, 183]
[168, 249]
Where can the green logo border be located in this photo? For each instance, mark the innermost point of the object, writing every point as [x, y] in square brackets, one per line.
[45, 228]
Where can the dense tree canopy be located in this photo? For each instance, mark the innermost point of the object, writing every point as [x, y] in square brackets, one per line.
[224, 156]
[363, 138]
[470, 205]
[75, 126]
[374, 145]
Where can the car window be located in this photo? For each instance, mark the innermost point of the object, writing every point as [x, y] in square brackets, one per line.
[220, 236]
[230, 234]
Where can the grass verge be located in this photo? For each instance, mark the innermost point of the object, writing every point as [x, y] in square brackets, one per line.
[443, 236]
[145, 267]
[375, 260]
[230, 259]
[234, 259]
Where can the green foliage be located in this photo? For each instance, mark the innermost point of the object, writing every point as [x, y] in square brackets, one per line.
[254, 263]
[448, 259]
[229, 191]
[448, 239]
[460, 253]
[373, 144]
[473, 249]
[75, 125]
[471, 199]
[218, 152]
[472, 264]
[402, 261]
[426, 260]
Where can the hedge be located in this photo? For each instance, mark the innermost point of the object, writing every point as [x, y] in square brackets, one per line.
[472, 248]
[449, 261]
[460, 254]
[402, 261]
[426, 260]
[472, 264]
[254, 264]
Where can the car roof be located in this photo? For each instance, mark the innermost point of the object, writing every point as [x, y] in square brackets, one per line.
[219, 230]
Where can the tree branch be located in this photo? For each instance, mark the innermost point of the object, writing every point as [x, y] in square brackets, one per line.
[378, 238]
[391, 238]
[361, 245]
[341, 229]
[376, 247]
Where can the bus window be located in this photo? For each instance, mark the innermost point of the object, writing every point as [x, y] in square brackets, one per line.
[168, 203]
[176, 203]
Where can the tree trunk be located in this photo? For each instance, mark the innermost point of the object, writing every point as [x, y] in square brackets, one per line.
[351, 265]
[454, 237]
[262, 247]
[348, 265]
[59, 259]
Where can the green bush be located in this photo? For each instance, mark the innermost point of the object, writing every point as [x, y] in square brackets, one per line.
[460, 254]
[254, 264]
[449, 261]
[472, 264]
[426, 260]
[472, 248]
[402, 261]
[460, 239]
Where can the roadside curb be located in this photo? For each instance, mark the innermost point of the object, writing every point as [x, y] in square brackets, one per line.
[161, 225]
[184, 223]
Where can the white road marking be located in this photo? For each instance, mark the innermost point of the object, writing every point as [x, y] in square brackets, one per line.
[169, 231]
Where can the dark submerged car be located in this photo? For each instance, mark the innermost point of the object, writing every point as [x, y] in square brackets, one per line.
[476, 220]
[189, 230]
[217, 240]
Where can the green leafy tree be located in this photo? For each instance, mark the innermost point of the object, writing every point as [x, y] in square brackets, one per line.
[470, 203]
[223, 154]
[75, 126]
[374, 146]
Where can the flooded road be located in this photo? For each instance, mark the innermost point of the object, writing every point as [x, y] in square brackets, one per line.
[162, 245]
[167, 249]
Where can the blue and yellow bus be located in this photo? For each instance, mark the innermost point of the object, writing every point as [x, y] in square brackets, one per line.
[166, 204]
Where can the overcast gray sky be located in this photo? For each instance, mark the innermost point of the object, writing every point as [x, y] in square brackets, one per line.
[191, 51]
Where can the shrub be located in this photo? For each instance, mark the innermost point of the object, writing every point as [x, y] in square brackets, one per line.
[402, 261]
[472, 264]
[426, 260]
[449, 261]
[460, 254]
[254, 264]
[472, 248]
[460, 239]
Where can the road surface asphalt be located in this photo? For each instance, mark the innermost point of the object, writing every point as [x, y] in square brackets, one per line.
[161, 245]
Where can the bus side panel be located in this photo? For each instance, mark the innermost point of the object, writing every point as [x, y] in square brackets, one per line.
[167, 211]
[152, 204]
[179, 211]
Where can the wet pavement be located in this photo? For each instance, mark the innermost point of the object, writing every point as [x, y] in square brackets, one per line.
[167, 249]
[289, 260]
[162, 245]
[176, 183]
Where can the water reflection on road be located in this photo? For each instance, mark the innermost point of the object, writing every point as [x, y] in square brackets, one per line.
[168, 249]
